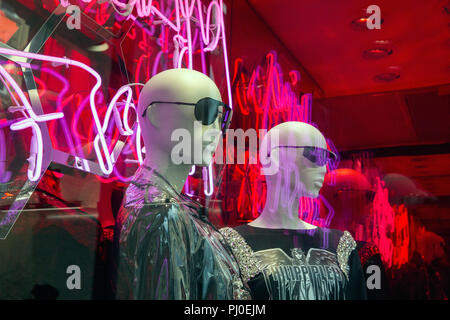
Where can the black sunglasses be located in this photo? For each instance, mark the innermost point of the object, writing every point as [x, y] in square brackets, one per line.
[206, 110]
[318, 156]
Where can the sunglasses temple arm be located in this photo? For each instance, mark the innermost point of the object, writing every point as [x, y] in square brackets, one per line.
[177, 103]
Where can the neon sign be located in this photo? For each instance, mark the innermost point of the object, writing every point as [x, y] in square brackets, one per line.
[265, 93]
[183, 11]
[30, 121]
[264, 99]
[178, 17]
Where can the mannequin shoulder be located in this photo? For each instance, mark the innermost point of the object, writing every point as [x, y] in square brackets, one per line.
[338, 238]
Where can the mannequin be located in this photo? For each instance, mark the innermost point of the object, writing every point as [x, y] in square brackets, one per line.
[296, 175]
[165, 247]
[287, 258]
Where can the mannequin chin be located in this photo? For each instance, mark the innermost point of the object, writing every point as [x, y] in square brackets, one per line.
[210, 140]
[208, 154]
[312, 178]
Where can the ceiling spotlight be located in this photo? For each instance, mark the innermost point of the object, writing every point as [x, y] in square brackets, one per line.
[376, 53]
[386, 77]
[360, 24]
[382, 42]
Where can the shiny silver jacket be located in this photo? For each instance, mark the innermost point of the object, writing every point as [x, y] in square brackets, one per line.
[165, 250]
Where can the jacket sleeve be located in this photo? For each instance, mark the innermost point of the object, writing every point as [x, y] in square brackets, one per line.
[154, 258]
[356, 289]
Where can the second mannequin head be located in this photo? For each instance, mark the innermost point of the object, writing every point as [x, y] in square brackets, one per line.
[294, 157]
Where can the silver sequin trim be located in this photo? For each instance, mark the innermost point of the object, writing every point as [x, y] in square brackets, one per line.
[239, 292]
[248, 263]
[345, 247]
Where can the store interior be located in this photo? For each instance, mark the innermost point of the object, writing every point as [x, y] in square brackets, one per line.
[380, 96]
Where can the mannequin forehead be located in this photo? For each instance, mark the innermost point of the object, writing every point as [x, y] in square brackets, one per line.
[178, 85]
[294, 133]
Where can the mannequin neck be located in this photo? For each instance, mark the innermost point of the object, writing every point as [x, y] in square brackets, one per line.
[175, 174]
[281, 209]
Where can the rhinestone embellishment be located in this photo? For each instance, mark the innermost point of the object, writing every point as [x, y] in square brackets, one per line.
[239, 293]
[249, 265]
[345, 247]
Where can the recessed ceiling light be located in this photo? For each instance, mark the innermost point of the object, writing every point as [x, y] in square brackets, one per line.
[382, 42]
[394, 68]
[377, 53]
[386, 76]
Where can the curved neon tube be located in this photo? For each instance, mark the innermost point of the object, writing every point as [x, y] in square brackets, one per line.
[106, 169]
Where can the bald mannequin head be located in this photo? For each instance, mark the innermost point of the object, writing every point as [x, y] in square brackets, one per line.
[159, 121]
[293, 156]
[282, 150]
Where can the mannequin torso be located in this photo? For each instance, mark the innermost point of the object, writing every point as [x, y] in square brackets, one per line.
[296, 260]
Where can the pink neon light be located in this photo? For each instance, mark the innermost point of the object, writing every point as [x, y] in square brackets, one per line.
[208, 188]
[4, 175]
[185, 10]
[383, 223]
[105, 169]
[37, 145]
[100, 138]
[36, 148]
[264, 92]
[34, 170]
[144, 8]
[269, 94]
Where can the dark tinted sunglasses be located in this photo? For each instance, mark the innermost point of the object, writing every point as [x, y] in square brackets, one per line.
[206, 110]
[318, 156]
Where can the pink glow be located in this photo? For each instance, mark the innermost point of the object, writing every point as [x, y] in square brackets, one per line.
[264, 92]
[100, 138]
[269, 95]
[179, 19]
[36, 148]
[208, 188]
[34, 170]
[184, 10]
[4, 175]
[383, 223]
[105, 169]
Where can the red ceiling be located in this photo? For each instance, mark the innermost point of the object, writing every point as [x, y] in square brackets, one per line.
[351, 108]
[320, 35]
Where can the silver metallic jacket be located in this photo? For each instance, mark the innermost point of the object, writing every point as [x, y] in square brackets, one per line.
[164, 250]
